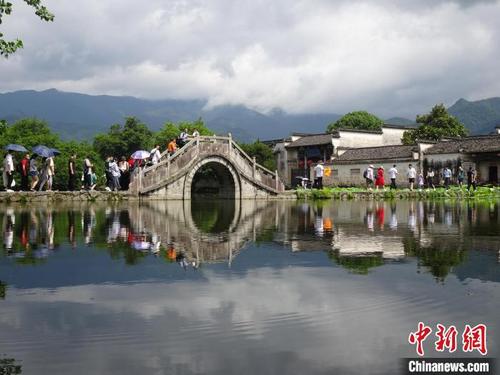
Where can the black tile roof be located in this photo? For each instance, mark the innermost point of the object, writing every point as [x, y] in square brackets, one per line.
[313, 140]
[370, 154]
[475, 144]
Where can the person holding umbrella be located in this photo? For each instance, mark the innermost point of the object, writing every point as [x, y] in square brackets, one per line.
[8, 165]
[48, 169]
[33, 172]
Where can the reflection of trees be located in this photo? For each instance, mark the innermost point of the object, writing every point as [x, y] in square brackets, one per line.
[439, 257]
[357, 264]
[212, 216]
[3, 291]
[8, 366]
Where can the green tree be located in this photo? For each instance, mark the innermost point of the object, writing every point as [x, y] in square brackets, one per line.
[435, 125]
[356, 120]
[263, 153]
[8, 47]
[123, 141]
[171, 130]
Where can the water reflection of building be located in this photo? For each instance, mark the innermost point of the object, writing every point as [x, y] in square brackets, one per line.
[356, 235]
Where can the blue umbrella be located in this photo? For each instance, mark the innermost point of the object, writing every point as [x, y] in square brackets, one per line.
[43, 151]
[14, 147]
[141, 154]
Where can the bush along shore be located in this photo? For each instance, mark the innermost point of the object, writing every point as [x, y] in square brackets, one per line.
[482, 192]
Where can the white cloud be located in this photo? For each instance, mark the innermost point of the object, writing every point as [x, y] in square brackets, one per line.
[390, 57]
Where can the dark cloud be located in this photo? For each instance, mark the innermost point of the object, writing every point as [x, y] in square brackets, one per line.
[390, 57]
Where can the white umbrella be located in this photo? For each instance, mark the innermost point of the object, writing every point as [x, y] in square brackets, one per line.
[141, 154]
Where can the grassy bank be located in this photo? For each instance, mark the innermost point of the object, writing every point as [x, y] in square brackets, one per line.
[483, 192]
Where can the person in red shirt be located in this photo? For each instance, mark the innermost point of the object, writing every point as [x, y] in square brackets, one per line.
[379, 181]
[25, 170]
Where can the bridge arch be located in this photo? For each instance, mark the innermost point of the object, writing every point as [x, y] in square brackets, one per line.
[229, 179]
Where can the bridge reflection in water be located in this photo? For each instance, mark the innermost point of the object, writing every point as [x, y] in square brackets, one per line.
[356, 235]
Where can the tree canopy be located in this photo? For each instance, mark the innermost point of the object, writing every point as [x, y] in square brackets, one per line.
[435, 125]
[124, 140]
[356, 120]
[171, 130]
[8, 47]
[263, 153]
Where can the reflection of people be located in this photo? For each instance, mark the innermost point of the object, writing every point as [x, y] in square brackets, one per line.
[8, 229]
[412, 217]
[88, 219]
[379, 212]
[181, 259]
[369, 217]
[171, 253]
[393, 223]
[71, 229]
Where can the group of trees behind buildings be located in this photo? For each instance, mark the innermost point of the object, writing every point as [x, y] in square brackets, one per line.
[433, 126]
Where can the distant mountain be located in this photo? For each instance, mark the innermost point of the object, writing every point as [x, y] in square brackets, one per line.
[80, 116]
[400, 121]
[480, 116]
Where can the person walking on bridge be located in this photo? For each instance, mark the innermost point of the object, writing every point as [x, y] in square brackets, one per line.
[155, 155]
[172, 146]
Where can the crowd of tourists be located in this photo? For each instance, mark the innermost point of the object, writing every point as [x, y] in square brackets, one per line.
[36, 173]
[375, 178]
[417, 179]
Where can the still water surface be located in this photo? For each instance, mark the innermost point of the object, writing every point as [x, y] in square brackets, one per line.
[250, 288]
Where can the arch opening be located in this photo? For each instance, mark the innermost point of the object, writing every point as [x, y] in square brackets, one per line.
[213, 181]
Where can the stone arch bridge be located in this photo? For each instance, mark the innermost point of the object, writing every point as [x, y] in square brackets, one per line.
[213, 166]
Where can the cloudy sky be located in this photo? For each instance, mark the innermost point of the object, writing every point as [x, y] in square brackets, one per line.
[389, 57]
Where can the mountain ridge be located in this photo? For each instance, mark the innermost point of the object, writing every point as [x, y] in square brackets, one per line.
[81, 116]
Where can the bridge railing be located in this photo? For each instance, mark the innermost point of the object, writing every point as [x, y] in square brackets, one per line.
[170, 166]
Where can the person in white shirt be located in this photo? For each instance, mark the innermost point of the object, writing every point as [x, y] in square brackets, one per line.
[412, 174]
[393, 174]
[8, 171]
[156, 154]
[115, 175]
[369, 177]
[318, 174]
[183, 137]
[196, 133]
[48, 173]
[447, 177]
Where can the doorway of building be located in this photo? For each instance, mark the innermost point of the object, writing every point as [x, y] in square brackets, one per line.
[493, 175]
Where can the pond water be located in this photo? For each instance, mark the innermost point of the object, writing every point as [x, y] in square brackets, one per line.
[242, 288]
